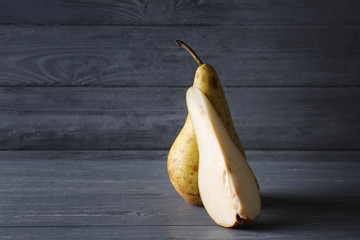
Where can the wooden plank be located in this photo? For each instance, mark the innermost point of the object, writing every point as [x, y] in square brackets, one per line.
[211, 12]
[318, 232]
[150, 118]
[148, 56]
[104, 194]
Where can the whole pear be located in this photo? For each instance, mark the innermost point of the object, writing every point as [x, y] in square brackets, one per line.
[183, 158]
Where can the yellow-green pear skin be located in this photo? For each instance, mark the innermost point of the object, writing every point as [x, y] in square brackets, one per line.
[207, 80]
[183, 164]
[183, 158]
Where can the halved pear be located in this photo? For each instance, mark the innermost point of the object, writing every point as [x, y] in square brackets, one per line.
[227, 185]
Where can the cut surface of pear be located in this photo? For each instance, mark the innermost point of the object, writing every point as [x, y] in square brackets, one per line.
[227, 185]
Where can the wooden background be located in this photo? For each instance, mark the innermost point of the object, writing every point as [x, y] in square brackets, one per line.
[80, 77]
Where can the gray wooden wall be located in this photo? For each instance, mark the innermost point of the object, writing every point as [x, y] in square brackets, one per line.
[106, 75]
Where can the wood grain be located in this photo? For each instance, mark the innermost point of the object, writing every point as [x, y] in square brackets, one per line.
[108, 193]
[183, 232]
[151, 118]
[183, 12]
[148, 56]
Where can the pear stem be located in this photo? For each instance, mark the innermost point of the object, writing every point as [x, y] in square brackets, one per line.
[192, 52]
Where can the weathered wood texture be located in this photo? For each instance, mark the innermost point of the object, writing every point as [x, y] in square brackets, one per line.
[127, 194]
[148, 56]
[322, 232]
[151, 118]
[183, 12]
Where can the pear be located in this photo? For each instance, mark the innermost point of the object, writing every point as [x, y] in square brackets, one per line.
[183, 158]
[227, 185]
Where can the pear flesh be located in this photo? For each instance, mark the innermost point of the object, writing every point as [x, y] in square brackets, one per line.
[227, 185]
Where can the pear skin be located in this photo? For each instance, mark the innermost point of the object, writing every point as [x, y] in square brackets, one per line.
[183, 164]
[207, 80]
[183, 158]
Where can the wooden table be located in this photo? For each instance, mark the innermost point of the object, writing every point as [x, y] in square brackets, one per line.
[127, 195]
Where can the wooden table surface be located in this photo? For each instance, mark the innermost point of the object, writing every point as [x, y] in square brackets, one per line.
[127, 195]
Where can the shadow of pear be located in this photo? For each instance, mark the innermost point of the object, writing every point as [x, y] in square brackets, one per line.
[284, 211]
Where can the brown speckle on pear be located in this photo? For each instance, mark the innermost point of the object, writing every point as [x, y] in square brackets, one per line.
[214, 82]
